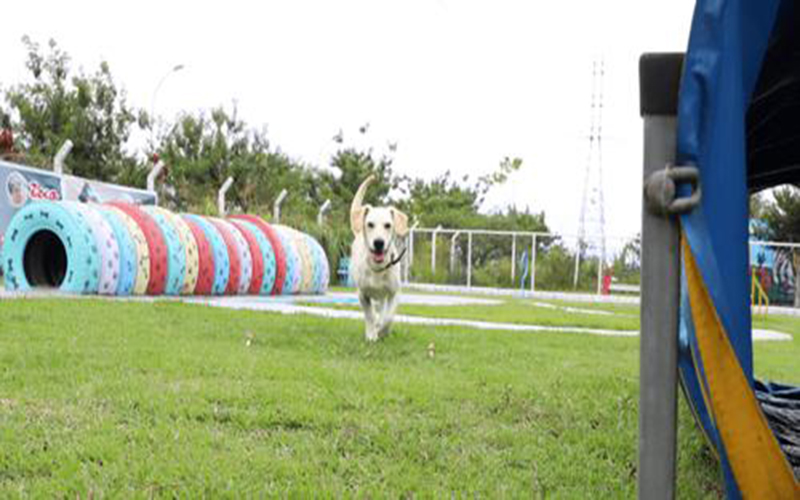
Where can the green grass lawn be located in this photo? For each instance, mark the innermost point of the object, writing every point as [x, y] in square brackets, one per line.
[136, 400]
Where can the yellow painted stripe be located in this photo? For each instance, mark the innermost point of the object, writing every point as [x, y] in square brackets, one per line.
[760, 468]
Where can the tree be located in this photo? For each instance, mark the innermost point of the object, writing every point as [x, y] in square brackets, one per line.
[202, 150]
[349, 167]
[55, 106]
[783, 220]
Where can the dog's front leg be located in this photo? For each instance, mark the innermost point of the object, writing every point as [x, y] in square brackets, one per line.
[369, 317]
[389, 308]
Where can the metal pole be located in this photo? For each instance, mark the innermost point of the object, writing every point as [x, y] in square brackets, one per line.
[276, 208]
[577, 263]
[469, 259]
[58, 160]
[221, 196]
[433, 253]
[658, 372]
[153, 174]
[410, 254]
[533, 264]
[513, 258]
[322, 210]
[453, 252]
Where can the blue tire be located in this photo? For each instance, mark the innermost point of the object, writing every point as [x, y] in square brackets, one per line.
[176, 252]
[293, 264]
[222, 264]
[48, 245]
[270, 264]
[128, 258]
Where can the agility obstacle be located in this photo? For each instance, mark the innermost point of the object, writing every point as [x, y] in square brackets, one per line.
[721, 122]
[127, 249]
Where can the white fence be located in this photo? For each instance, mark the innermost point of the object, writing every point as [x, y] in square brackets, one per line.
[520, 259]
[536, 261]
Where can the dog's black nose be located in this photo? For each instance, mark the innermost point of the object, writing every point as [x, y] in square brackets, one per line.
[379, 244]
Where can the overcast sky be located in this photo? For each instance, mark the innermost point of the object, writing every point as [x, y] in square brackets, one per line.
[456, 84]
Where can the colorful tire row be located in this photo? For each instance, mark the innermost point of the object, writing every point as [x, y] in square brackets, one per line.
[125, 249]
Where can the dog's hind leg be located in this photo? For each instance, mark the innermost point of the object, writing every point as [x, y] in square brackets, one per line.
[369, 317]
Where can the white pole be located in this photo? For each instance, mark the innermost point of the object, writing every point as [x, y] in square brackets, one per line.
[513, 259]
[322, 210]
[151, 177]
[533, 264]
[453, 252]
[469, 259]
[433, 249]
[276, 208]
[221, 196]
[58, 160]
[410, 253]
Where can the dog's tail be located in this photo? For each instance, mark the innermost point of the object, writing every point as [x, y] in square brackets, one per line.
[358, 201]
[357, 207]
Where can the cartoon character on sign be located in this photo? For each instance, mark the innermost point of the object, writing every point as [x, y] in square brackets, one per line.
[17, 189]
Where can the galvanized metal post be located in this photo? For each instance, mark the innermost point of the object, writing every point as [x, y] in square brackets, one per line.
[61, 155]
[221, 196]
[533, 264]
[513, 258]
[469, 259]
[276, 207]
[658, 372]
[433, 252]
[322, 210]
[153, 175]
[453, 252]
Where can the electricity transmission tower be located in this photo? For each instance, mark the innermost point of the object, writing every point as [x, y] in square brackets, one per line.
[592, 225]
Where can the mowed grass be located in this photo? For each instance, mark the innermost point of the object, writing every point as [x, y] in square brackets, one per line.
[114, 399]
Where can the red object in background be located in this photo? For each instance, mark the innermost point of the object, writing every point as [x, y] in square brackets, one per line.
[6, 140]
[606, 284]
[155, 158]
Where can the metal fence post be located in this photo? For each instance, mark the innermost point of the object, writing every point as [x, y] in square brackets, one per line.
[61, 155]
[659, 76]
[453, 252]
[276, 206]
[153, 174]
[469, 259]
[221, 196]
[513, 257]
[533, 264]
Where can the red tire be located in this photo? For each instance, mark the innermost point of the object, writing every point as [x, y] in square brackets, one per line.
[280, 255]
[155, 244]
[233, 255]
[205, 277]
[258, 258]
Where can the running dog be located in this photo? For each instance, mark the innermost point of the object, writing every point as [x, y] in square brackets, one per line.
[377, 250]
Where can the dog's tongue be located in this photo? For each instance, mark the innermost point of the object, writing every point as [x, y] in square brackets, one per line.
[378, 257]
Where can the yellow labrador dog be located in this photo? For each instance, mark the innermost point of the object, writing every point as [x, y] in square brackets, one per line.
[375, 258]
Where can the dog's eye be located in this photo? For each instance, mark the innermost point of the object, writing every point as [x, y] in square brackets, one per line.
[387, 226]
[371, 225]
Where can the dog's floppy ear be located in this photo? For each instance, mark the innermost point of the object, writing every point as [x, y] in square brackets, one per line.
[400, 222]
[357, 217]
